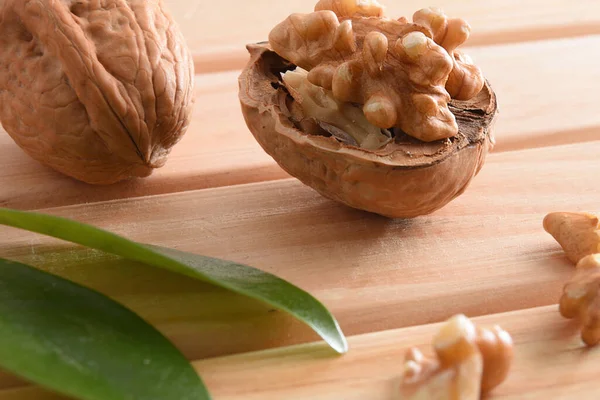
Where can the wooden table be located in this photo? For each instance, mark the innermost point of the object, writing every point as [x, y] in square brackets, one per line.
[388, 282]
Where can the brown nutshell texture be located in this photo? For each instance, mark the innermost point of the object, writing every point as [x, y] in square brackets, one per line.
[100, 90]
[404, 179]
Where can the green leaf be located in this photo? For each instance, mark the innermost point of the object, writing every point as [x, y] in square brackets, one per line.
[80, 343]
[236, 277]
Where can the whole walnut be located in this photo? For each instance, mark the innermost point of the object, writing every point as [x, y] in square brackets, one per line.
[100, 90]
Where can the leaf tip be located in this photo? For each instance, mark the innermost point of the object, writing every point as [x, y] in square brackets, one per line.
[343, 347]
[339, 343]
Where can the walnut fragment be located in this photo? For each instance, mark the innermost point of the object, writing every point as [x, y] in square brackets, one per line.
[469, 361]
[98, 90]
[581, 298]
[395, 73]
[577, 233]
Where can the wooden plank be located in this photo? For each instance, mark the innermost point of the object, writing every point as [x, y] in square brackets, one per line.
[217, 32]
[541, 104]
[550, 363]
[484, 253]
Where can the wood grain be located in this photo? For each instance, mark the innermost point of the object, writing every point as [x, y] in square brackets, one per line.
[550, 363]
[217, 32]
[538, 107]
[484, 253]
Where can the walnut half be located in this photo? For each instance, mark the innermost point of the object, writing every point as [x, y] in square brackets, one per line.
[98, 90]
[381, 114]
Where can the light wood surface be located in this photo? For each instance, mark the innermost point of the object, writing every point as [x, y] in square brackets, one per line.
[550, 363]
[484, 254]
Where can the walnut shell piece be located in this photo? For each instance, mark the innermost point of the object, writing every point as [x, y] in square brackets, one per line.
[404, 179]
[97, 90]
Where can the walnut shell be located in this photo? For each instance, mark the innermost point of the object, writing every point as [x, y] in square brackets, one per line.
[98, 90]
[404, 179]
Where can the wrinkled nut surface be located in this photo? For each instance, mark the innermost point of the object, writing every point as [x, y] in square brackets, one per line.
[581, 298]
[577, 233]
[465, 79]
[419, 148]
[350, 8]
[354, 127]
[469, 361]
[98, 90]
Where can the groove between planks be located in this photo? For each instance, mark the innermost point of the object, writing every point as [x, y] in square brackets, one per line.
[222, 59]
[550, 363]
[486, 252]
[218, 32]
[546, 93]
[545, 344]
